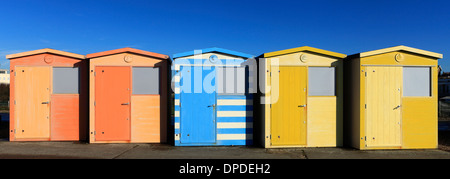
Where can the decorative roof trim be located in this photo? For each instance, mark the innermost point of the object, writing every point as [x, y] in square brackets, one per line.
[402, 48]
[304, 48]
[214, 49]
[130, 50]
[46, 50]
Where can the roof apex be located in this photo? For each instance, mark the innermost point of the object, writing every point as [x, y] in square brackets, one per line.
[127, 49]
[304, 48]
[45, 50]
[213, 49]
[402, 48]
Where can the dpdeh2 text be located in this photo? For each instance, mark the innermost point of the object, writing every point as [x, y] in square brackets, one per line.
[225, 169]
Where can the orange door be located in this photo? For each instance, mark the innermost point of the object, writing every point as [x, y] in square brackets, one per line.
[32, 100]
[65, 117]
[112, 103]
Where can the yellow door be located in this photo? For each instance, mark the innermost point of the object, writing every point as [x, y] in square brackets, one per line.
[32, 94]
[288, 111]
[383, 106]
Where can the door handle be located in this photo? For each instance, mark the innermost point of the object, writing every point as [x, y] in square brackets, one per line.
[46, 102]
[125, 103]
[302, 106]
[397, 107]
[212, 106]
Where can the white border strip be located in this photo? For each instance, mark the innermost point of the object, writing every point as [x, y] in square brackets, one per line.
[234, 125]
[234, 136]
[234, 113]
[234, 102]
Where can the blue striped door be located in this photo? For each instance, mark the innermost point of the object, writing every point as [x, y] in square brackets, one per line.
[197, 114]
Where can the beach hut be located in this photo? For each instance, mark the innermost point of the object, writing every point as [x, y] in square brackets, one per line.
[391, 99]
[49, 97]
[300, 98]
[213, 103]
[128, 96]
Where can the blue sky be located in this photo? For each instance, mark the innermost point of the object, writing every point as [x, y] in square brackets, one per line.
[253, 27]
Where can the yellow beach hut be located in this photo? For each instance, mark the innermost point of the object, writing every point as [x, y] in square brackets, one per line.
[300, 99]
[391, 99]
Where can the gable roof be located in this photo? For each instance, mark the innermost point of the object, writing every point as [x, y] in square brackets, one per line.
[401, 48]
[304, 48]
[125, 50]
[214, 49]
[45, 50]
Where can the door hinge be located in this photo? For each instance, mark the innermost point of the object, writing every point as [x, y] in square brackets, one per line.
[95, 132]
[94, 103]
[270, 105]
[365, 106]
[94, 73]
[366, 74]
[365, 138]
[14, 102]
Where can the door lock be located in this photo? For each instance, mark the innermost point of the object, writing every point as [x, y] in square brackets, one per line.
[46, 102]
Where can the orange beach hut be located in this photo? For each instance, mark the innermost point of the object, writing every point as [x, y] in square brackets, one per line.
[128, 96]
[49, 97]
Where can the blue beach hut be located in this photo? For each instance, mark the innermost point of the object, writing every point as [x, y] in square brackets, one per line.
[213, 97]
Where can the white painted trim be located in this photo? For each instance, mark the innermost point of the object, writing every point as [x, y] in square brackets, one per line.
[234, 125]
[234, 102]
[176, 78]
[234, 136]
[209, 65]
[234, 114]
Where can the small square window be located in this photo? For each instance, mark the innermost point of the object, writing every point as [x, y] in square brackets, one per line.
[231, 80]
[145, 80]
[416, 81]
[321, 81]
[65, 80]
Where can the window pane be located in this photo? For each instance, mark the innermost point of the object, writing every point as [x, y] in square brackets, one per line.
[220, 78]
[231, 80]
[65, 80]
[321, 81]
[145, 80]
[240, 80]
[416, 81]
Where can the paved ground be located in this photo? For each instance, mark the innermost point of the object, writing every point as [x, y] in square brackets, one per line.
[75, 150]
[71, 150]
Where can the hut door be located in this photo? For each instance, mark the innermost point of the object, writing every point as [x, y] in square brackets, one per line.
[112, 103]
[32, 100]
[288, 111]
[198, 106]
[383, 108]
